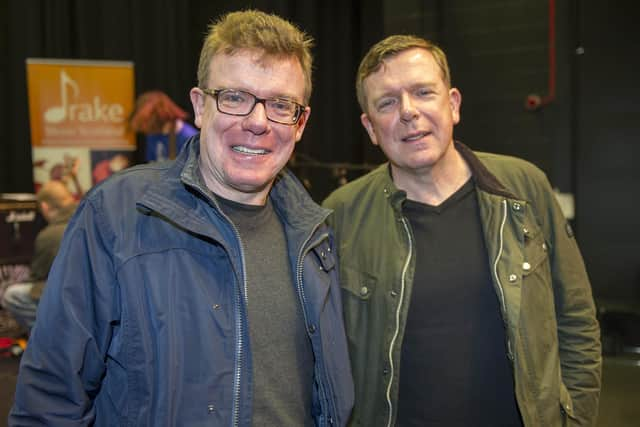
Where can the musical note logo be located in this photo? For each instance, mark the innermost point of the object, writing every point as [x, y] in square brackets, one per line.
[58, 113]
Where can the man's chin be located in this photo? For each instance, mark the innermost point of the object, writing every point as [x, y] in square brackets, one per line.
[253, 187]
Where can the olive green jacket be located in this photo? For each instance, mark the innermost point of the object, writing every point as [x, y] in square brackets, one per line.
[538, 275]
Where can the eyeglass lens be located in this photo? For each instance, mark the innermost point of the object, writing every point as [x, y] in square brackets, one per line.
[242, 103]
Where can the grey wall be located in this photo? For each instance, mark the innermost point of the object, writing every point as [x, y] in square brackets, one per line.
[608, 147]
[586, 140]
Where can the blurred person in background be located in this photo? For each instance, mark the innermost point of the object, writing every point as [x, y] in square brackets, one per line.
[163, 124]
[57, 205]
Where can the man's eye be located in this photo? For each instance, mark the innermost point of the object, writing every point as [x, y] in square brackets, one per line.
[424, 92]
[385, 104]
[233, 98]
[281, 105]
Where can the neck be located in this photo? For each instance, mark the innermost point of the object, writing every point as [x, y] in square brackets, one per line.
[256, 198]
[435, 184]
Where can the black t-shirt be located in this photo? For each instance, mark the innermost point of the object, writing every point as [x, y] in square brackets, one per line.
[454, 369]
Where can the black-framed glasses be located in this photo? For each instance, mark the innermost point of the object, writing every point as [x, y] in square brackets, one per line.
[241, 103]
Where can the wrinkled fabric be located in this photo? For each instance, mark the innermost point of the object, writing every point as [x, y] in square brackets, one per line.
[143, 321]
[538, 275]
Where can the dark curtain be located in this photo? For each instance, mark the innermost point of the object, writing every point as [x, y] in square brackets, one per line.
[163, 39]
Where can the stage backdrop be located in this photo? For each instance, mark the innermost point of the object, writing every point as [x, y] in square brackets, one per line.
[78, 112]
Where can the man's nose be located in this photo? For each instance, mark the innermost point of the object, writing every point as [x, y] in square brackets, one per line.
[257, 121]
[408, 110]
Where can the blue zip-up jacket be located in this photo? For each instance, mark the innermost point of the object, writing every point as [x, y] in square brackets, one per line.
[143, 321]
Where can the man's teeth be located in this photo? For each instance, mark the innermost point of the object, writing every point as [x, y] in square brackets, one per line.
[415, 137]
[246, 150]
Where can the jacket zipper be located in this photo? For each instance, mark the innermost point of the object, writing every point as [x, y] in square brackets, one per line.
[395, 334]
[240, 332]
[303, 301]
[495, 270]
[235, 414]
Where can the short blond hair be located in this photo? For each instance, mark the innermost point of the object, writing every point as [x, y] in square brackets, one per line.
[256, 30]
[392, 46]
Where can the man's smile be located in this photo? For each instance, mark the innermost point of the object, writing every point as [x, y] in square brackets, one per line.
[246, 150]
[415, 136]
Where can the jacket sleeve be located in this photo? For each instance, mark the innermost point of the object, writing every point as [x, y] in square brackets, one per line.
[62, 367]
[578, 330]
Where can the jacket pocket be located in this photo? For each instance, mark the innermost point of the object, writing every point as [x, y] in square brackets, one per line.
[357, 284]
[358, 290]
[537, 292]
[535, 251]
[362, 320]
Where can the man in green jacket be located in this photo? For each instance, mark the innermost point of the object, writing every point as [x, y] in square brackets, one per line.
[465, 296]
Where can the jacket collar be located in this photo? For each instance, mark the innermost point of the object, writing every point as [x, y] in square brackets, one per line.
[484, 179]
[168, 196]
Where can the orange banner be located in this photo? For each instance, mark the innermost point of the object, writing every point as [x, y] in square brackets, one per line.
[80, 103]
[79, 114]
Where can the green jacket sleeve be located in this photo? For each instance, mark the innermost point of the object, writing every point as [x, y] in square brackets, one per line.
[578, 329]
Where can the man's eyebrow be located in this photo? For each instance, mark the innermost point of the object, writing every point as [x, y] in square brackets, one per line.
[386, 94]
[394, 92]
[426, 84]
[285, 96]
[279, 95]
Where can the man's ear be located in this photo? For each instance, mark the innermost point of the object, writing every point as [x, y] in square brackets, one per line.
[302, 123]
[455, 101]
[368, 126]
[197, 101]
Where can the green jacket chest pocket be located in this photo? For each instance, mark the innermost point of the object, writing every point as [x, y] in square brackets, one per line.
[537, 285]
[358, 299]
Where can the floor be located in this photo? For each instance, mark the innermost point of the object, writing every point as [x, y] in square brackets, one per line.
[620, 399]
[619, 403]
[8, 372]
[8, 367]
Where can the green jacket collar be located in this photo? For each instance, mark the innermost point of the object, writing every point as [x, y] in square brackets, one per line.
[484, 179]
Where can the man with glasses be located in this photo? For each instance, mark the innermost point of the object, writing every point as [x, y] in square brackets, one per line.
[201, 291]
